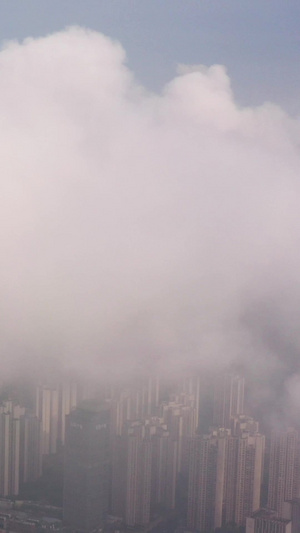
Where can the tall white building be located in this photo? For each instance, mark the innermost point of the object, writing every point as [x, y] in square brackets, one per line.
[10, 415]
[52, 406]
[180, 417]
[250, 456]
[136, 403]
[144, 469]
[225, 478]
[191, 386]
[283, 469]
[138, 476]
[206, 481]
[47, 404]
[68, 400]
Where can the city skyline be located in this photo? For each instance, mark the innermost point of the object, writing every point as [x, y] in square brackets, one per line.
[150, 261]
[129, 461]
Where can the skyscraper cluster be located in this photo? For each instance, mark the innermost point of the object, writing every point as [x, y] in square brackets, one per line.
[226, 465]
[29, 435]
[157, 447]
[133, 452]
[150, 441]
[225, 478]
[20, 459]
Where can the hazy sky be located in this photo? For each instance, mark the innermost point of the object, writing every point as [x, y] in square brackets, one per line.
[156, 227]
[258, 41]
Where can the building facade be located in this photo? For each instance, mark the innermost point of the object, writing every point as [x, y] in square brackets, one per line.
[228, 399]
[86, 468]
[225, 478]
[283, 469]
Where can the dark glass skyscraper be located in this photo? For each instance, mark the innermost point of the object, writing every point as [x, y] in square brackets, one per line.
[86, 467]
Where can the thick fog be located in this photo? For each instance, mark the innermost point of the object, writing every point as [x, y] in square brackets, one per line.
[144, 231]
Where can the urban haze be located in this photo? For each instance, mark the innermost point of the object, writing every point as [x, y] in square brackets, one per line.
[149, 269]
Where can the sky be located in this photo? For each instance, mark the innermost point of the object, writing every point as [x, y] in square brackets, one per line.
[257, 41]
[150, 189]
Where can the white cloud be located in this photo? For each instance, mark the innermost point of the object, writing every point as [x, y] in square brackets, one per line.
[139, 227]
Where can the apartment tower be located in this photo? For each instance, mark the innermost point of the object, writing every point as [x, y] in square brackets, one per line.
[283, 469]
[86, 467]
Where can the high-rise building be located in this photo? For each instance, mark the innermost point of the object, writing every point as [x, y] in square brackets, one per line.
[127, 406]
[119, 471]
[191, 386]
[68, 400]
[206, 481]
[225, 478]
[163, 468]
[228, 399]
[53, 403]
[47, 410]
[10, 428]
[249, 472]
[180, 417]
[283, 469]
[138, 476]
[149, 391]
[144, 468]
[30, 449]
[136, 403]
[86, 467]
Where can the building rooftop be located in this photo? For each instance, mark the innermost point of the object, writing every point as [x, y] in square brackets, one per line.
[270, 514]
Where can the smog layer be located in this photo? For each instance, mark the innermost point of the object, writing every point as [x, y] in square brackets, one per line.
[144, 232]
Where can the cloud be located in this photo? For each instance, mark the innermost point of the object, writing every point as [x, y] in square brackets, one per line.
[142, 230]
